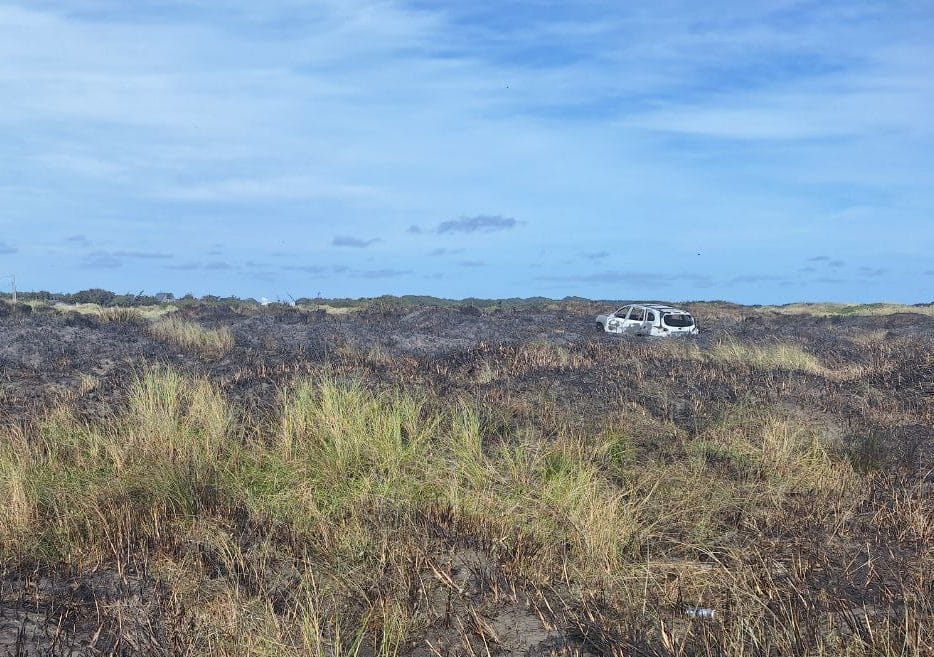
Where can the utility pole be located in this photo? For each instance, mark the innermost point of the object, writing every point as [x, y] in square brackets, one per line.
[12, 278]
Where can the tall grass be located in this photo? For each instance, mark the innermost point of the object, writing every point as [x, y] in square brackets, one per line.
[323, 529]
[773, 355]
[114, 314]
[83, 489]
[189, 335]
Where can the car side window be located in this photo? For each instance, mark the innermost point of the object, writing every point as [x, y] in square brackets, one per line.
[621, 313]
[649, 316]
[637, 314]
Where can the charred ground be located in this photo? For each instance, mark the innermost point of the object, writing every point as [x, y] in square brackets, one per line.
[836, 567]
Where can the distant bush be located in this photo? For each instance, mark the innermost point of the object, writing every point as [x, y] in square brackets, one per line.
[386, 305]
[96, 295]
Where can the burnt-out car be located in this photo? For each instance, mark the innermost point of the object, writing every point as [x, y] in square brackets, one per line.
[649, 319]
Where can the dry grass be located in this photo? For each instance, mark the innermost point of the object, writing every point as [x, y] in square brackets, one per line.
[769, 356]
[324, 529]
[189, 335]
[330, 310]
[116, 314]
[832, 309]
[87, 383]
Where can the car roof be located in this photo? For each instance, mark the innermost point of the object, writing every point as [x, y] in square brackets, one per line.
[662, 308]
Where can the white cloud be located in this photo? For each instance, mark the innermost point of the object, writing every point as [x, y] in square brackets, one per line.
[677, 125]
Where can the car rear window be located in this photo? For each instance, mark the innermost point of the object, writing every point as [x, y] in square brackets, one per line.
[678, 320]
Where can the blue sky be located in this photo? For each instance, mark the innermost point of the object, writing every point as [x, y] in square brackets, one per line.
[754, 151]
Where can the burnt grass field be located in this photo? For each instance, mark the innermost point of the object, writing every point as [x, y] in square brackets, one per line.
[422, 480]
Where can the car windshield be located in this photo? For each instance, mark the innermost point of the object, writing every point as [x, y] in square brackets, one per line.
[678, 320]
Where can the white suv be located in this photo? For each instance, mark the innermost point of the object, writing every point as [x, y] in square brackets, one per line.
[649, 319]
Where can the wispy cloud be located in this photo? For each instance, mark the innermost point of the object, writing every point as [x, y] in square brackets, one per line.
[755, 278]
[608, 276]
[481, 223]
[668, 280]
[215, 266]
[827, 261]
[101, 260]
[317, 269]
[218, 265]
[380, 273]
[146, 255]
[258, 188]
[330, 271]
[78, 240]
[354, 242]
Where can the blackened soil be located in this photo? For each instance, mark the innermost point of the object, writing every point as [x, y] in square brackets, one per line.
[548, 368]
[48, 358]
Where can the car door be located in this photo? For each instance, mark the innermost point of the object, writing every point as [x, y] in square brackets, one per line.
[617, 321]
[634, 320]
[648, 322]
